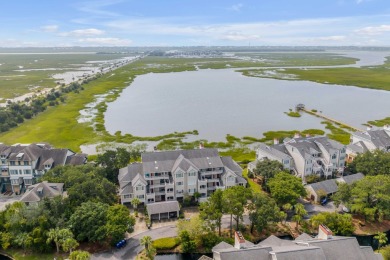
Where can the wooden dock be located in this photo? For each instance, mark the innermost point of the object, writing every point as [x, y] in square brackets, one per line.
[330, 119]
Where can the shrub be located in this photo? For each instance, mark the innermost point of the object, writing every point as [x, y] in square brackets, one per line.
[385, 251]
[166, 243]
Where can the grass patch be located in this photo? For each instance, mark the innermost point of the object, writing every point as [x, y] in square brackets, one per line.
[18, 254]
[256, 188]
[293, 114]
[166, 243]
[380, 122]
[337, 134]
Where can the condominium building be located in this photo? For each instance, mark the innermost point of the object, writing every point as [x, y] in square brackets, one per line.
[22, 164]
[305, 155]
[171, 175]
[370, 140]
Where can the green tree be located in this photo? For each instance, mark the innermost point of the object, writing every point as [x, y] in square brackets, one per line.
[371, 163]
[147, 242]
[197, 195]
[212, 210]
[267, 169]
[69, 244]
[300, 212]
[89, 220]
[23, 240]
[79, 255]
[135, 202]
[59, 236]
[111, 161]
[194, 227]
[118, 223]
[382, 239]
[286, 188]
[340, 224]
[263, 211]
[188, 245]
[236, 200]
[385, 251]
[370, 197]
[343, 195]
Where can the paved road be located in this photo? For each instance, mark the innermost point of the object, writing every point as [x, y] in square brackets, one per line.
[133, 246]
[4, 200]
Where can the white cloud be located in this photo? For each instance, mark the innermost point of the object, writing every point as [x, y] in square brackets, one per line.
[236, 7]
[49, 28]
[237, 36]
[83, 33]
[98, 7]
[105, 41]
[374, 30]
[332, 38]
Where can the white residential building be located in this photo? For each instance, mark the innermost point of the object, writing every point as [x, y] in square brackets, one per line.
[370, 140]
[306, 155]
[22, 164]
[170, 175]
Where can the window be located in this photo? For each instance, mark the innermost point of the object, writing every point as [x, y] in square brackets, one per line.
[334, 156]
[12, 163]
[191, 174]
[14, 182]
[140, 196]
[203, 186]
[127, 196]
[27, 171]
[3, 161]
[139, 187]
[27, 182]
[26, 163]
[179, 175]
[147, 175]
[13, 171]
[179, 183]
[286, 161]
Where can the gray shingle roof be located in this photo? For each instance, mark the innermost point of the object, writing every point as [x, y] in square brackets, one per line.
[380, 138]
[349, 179]
[232, 165]
[164, 161]
[277, 150]
[162, 207]
[329, 186]
[49, 190]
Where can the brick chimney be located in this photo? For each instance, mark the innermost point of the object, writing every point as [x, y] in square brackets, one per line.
[239, 241]
[324, 232]
[276, 140]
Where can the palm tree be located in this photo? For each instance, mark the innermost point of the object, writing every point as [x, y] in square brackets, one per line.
[300, 212]
[54, 235]
[69, 244]
[382, 239]
[135, 202]
[150, 250]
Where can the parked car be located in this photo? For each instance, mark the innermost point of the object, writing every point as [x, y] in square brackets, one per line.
[345, 209]
[324, 201]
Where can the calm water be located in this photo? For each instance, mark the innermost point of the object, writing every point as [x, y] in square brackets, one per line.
[220, 102]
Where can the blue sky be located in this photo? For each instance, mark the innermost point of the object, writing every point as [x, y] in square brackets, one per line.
[189, 23]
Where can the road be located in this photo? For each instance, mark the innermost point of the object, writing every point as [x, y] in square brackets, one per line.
[133, 246]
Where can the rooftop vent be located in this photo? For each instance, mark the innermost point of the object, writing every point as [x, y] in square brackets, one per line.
[20, 155]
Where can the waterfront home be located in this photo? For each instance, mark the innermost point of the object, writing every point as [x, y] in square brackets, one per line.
[370, 140]
[171, 175]
[325, 246]
[22, 164]
[306, 155]
[37, 192]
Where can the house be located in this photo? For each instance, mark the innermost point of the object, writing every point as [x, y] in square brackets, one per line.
[370, 140]
[163, 210]
[306, 155]
[329, 187]
[324, 246]
[37, 192]
[22, 164]
[171, 175]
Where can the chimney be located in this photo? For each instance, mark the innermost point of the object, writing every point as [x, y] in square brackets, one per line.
[386, 127]
[297, 135]
[201, 146]
[369, 128]
[276, 141]
[239, 241]
[324, 232]
[155, 148]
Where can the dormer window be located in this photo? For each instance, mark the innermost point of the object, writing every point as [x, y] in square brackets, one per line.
[2, 156]
[47, 166]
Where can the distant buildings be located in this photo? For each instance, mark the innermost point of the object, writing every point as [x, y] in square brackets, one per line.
[305, 155]
[171, 175]
[323, 247]
[22, 164]
[369, 141]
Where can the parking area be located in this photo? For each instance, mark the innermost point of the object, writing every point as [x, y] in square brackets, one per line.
[6, 199]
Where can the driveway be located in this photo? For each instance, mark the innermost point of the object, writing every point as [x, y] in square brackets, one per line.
[313, 209]
[133, 246]
[5, 200]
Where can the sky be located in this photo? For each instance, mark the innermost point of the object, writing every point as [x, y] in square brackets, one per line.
[47, 23]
